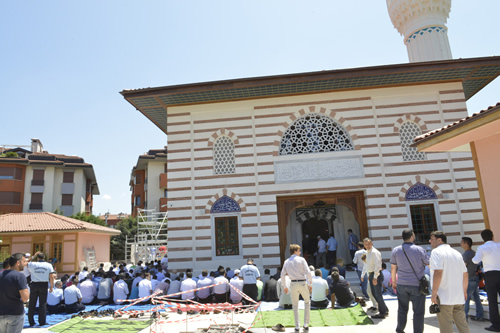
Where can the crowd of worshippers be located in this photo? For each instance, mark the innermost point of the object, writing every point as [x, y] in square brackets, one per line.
[122, 282]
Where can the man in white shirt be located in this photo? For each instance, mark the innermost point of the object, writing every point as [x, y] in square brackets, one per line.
[221, 291]
[175, 287]
[83, 274]
[321, 253]
[237, 283]
[319, 294]
[331, 246]
[55, 299]
[73, 297]
[88, 290]
[449, 284]
[360, 264]
[301, 284]
[489, 254]
[120, 289]
[375, 279]
[250, 273]
[164, 263]
[188, 285]
[145, 288]
[285, 300]
[205, 294]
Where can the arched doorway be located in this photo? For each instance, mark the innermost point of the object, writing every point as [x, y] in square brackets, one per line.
[321, 214]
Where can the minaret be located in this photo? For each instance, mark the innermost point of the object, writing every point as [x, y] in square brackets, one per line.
[423, 25]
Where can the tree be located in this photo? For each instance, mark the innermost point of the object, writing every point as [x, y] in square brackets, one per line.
[128, 227]
[82, 216]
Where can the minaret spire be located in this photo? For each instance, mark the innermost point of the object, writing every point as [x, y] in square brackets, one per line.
[423, 25]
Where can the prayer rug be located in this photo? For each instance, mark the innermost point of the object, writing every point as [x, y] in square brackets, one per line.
[100, 326]
[323, 317]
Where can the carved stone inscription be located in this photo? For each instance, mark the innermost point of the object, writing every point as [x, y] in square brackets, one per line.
[318, 169]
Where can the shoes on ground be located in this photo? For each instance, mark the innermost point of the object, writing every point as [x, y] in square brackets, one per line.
[379, 316]
[278, 328]
[492, 329]
[372, 309]
[217, 311]
[306, 328]
[477, 318]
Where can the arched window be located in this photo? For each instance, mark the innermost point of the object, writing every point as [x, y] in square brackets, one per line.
[422, 204]
[226, 226]
[407, 132]
[314, 133]
[223, 156]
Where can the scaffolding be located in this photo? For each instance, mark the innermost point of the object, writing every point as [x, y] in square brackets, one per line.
[152, 233]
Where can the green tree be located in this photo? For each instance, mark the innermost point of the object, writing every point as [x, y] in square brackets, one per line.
[128, 227]
[82, 216]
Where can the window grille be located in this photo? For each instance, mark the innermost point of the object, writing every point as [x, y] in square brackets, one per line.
[224, 156]
[407, 132]
[315, 133]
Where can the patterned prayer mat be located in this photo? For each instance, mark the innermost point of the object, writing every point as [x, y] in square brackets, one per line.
[324, 317]
[100, 326]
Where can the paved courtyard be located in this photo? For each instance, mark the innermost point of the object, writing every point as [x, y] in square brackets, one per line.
[176, 322]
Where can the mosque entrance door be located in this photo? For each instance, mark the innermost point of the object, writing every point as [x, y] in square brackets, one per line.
[319, 215]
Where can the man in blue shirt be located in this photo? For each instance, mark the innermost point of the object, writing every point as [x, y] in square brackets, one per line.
[13, 293]
[250, 273]
[410, 268]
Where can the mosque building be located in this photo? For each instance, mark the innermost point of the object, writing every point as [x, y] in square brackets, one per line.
[255, 164]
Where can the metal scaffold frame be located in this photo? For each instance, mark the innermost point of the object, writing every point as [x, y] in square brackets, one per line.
[152, 233]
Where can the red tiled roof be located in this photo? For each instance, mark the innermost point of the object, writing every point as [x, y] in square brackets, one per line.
[32, 222]
[458, 123]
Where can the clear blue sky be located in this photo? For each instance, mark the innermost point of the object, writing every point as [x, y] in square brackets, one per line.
[63, 63]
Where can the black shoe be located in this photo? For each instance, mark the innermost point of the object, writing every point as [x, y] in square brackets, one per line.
[379, 316]
[306, 328]
[278, 328]
[492, 329]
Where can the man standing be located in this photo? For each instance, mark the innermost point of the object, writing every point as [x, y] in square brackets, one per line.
[321, 256]
[352, 243]
[13, 293]
[41, 281]
[449, 284]
[488, 253]
[331, 245]
[301, 284]
[473, 286]
[164, 263]
[375, 279]
[360, 264]
[408, 262]
[250, 273]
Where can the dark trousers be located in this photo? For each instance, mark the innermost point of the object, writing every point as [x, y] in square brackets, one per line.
[492, 286]
[38, 290]
[331, 258]
[321, 304]
[251, 291]
[54, 309]
[75, 307]
[405, 295]
[221, 298]
[205, 300]
[377, 292]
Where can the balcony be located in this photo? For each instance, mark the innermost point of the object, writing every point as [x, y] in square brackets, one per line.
[163, 204]
[163, 180]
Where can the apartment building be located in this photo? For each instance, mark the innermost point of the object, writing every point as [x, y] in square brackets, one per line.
[37, 181]
[148, 181]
